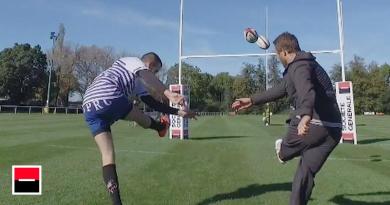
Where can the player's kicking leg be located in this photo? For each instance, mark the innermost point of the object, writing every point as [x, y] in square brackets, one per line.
[293, 145]
[147, 122]
[314, 148]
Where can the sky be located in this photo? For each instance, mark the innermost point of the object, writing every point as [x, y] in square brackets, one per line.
[210, 27]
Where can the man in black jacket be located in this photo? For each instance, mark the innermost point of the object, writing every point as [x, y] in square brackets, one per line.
[314, 124]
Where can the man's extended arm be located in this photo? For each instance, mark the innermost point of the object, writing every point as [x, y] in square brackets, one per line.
[271, 94]
[158, 106]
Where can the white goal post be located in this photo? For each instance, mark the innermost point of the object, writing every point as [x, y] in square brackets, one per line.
[339, 51]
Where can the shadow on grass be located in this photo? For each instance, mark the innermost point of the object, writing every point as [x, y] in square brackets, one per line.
[247, 192]
[371, 141]
[375, 158]
[344, 199]
[217, 137]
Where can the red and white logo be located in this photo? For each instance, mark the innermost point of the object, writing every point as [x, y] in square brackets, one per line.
[26, 180]
[344, 87]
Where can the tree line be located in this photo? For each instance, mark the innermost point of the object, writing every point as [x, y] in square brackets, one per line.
[25, 70]
[371, 84]
[24, 74]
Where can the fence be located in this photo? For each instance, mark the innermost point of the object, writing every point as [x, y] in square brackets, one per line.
[212, 113]
[39, 109]
[156, 115]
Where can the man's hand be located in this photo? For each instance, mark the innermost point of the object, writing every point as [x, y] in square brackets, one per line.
[187, 114]
[174, 97]
[303, 126]
[241, 103]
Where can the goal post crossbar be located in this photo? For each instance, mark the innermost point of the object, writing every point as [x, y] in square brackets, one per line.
[250, 54]
[339, 51]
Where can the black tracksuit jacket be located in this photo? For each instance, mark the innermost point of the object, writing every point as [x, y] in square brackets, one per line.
[309, 90]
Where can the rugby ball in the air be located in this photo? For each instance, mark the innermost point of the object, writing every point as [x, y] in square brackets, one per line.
[262, 42]
[250, 35]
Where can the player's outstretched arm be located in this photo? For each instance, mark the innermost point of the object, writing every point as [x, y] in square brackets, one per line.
[272, 94]
[158, 106]
[164, 108]
[269, 95]
[153, 83]
[187, 114]
[242, 103]
[175, 97]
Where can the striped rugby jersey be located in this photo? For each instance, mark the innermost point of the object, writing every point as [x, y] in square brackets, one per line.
[117, 81]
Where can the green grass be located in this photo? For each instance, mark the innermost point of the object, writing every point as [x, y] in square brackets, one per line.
[229, 160]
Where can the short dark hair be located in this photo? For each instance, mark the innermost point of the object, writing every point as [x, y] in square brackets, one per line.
[151, 56]
[288, 42]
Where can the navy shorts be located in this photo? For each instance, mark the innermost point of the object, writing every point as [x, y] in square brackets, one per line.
[101, 114]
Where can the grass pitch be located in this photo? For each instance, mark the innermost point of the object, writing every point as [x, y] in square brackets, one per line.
[229, 160]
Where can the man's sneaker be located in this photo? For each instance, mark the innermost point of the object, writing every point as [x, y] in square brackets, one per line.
[164, 120]
[278, 145]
